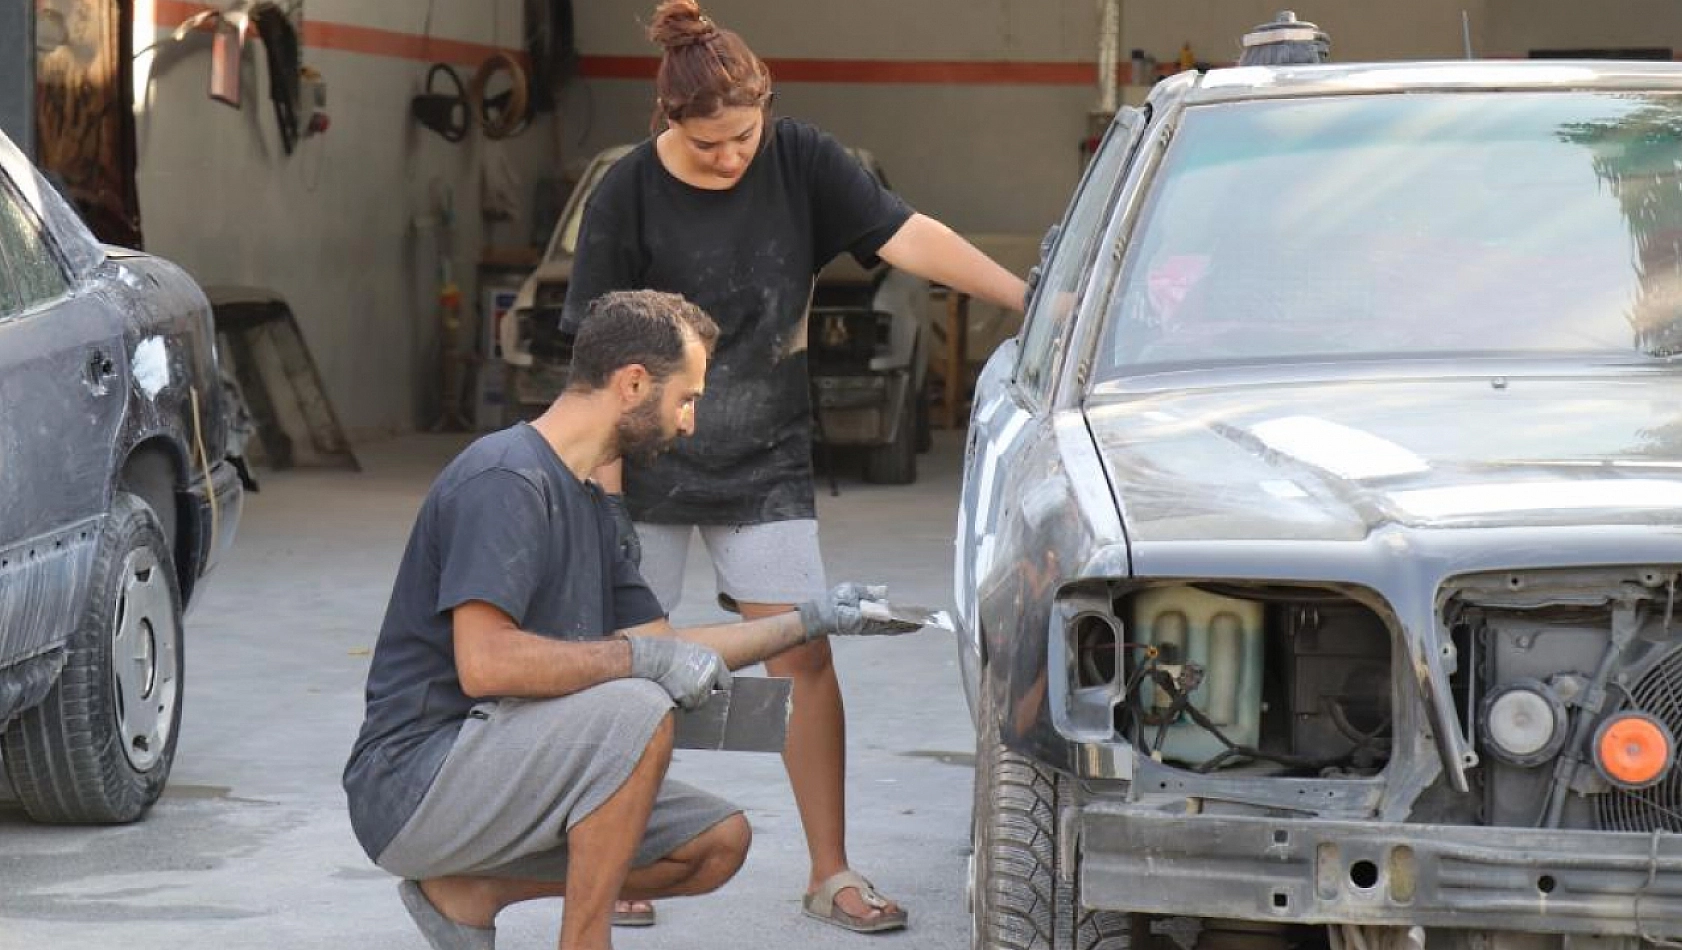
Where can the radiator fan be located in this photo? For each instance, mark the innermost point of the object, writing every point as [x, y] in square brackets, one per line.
[1658, 807]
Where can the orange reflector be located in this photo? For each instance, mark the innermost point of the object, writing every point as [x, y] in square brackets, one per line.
[1633, 750]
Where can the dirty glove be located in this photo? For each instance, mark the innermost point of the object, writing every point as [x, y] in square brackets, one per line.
[629, 544]
[837, 614]
[688, 672]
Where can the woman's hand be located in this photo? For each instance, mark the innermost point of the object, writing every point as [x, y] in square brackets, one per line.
[933, 251]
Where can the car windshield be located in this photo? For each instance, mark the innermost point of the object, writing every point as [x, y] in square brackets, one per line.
[1407, 225]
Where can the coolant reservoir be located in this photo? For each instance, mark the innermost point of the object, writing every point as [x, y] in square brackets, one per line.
[1223, 636]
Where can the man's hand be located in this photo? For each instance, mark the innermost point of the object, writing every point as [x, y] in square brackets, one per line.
[837, 614]
[688, 672]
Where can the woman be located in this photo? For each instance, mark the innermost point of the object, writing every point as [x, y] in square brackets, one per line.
[738, 211]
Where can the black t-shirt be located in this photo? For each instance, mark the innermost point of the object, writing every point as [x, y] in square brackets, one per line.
[746, 255]
[505, 523]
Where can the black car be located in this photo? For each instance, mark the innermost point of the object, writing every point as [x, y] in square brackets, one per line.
[1321, 535]
[116, 497]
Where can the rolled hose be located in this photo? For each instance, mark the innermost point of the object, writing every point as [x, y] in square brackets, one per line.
[506, 115]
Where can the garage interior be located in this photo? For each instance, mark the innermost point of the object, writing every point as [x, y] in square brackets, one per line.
[378, 257]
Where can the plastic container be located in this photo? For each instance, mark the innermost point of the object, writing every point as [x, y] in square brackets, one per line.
[1223, 635]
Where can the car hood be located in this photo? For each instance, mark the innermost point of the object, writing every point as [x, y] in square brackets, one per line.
[1337, 459]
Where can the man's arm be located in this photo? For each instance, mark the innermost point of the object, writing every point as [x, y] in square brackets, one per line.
[741, 644]
[494, 657]
[837, 613]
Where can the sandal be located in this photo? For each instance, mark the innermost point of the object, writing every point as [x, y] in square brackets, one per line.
[632, 915]
[821, 905]
[441, 932]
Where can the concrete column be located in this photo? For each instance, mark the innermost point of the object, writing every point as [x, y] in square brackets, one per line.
[17, 72]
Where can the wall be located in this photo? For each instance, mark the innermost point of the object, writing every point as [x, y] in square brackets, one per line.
[1516, 26]
[986, 135]
[346, 227]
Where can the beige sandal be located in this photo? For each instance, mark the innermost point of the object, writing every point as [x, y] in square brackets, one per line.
[821, 905]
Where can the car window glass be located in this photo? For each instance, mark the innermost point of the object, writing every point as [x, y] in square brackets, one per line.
[1065, 269]
[1416, 225]
[32, 275]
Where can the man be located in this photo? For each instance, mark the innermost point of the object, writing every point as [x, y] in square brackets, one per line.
[519, 699]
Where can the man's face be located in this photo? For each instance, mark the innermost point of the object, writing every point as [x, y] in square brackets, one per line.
[666, 412]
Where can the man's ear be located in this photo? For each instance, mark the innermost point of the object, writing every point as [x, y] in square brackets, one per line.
[632, 383]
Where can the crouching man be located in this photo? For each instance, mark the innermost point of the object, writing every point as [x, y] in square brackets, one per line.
[519, 700]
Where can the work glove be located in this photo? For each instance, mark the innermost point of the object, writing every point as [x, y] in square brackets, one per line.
[630, 544]
[688, 672]
[838, 614]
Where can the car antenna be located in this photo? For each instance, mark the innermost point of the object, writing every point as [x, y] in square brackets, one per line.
[1466, 32]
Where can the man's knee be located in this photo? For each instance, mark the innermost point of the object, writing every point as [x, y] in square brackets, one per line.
[723, 848]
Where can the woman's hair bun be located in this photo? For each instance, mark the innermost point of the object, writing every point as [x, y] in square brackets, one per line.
[679, 23]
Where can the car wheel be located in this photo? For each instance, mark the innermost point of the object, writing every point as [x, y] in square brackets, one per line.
[896, 462]
[1018, 900]
[925, 429]
[98, 749]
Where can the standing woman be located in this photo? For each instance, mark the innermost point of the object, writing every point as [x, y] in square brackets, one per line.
[738, 211]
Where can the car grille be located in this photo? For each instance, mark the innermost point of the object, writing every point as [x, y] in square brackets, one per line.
[1658, 808]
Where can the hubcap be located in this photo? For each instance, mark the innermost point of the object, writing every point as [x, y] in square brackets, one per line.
[143, 646]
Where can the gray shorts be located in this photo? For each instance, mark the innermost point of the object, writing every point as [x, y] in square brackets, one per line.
[523, 772]
[773, 563]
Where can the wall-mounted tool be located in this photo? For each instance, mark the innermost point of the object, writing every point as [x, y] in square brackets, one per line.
[504, 113]
[443, 109]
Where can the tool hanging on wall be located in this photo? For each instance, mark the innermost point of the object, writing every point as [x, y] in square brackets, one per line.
[503, 114]
[280, 46]
[294, 89]
[443, 110]
[551, 50]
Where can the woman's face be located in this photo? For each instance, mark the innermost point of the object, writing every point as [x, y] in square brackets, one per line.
[721, 146]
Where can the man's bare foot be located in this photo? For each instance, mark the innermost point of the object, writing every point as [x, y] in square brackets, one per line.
[633, 914]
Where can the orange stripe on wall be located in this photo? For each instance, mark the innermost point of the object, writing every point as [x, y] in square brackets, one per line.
[368, 40]
[996, 73]
[372, 41]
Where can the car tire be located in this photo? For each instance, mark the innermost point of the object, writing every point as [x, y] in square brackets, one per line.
[1017, 898]
[896, 462]
[98, 749]
[925, 429]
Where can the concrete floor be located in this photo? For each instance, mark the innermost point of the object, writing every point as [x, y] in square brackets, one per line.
[250, 846]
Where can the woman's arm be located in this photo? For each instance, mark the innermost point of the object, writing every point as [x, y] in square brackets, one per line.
[933, 251]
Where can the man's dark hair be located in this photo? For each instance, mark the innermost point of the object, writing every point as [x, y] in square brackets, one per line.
[631, 327]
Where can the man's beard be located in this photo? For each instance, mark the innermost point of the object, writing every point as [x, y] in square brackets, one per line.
[640, 434]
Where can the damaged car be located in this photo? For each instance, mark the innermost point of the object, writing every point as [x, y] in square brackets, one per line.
[118, 496]
[1321, 532]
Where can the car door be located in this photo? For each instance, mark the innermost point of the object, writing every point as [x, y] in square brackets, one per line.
[62, 387]
[1010, 417]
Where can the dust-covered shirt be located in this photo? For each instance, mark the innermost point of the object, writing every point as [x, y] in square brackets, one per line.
[505, 523]
[747, 256]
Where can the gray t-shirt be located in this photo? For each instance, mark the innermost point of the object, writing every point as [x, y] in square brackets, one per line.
[505, 523]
